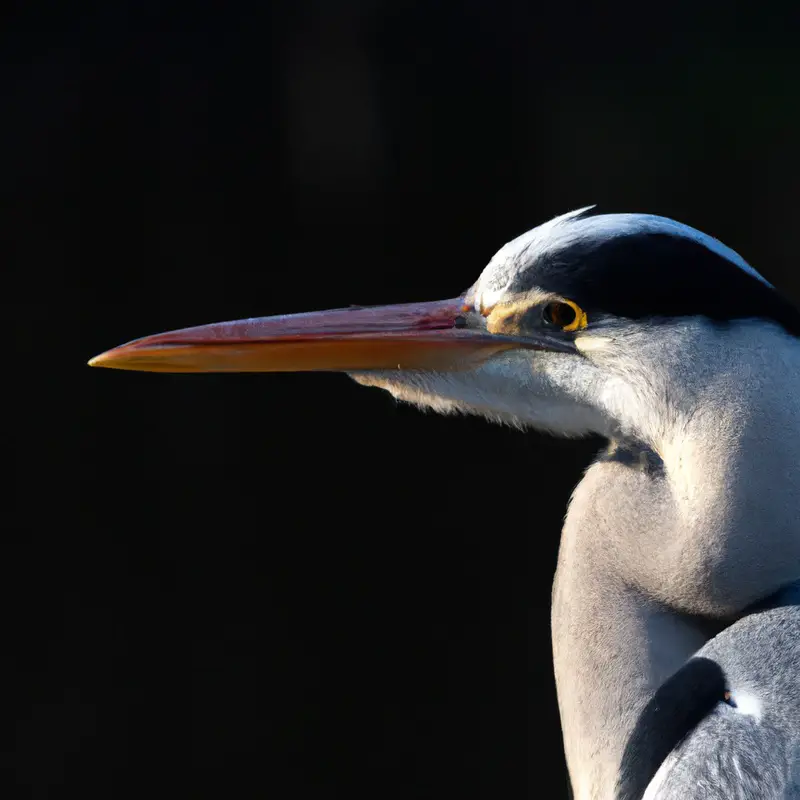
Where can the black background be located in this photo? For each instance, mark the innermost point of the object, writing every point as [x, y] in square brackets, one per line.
[290, 586]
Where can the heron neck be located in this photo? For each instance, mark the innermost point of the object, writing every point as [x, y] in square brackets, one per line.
[658, 554]
[612, 649]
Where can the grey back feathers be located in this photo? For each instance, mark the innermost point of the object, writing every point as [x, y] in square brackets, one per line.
[674, 711]
[747, 748]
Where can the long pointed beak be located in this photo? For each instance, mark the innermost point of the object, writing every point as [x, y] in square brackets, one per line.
[411, 336]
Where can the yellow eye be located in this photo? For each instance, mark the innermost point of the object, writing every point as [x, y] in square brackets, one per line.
[564, 314]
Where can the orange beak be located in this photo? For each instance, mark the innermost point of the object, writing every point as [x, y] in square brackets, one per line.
[425, 336]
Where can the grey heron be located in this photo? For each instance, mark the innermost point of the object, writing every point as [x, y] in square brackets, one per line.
[675, 634]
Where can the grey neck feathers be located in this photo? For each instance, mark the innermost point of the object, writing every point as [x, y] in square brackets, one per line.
[661, 550]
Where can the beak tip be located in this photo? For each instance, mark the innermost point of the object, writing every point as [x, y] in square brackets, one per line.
[416, 335]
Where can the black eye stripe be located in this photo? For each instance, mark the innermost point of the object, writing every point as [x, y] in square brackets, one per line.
[655, 275]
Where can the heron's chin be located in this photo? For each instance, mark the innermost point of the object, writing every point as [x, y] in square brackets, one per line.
[422, 389]
[497, 400]
[405, 389]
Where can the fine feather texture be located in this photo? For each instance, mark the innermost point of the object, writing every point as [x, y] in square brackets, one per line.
[690, 365]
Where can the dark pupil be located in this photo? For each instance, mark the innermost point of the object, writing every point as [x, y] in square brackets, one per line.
[560, 314]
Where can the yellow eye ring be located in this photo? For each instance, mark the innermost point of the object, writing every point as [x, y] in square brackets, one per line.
[564, 314]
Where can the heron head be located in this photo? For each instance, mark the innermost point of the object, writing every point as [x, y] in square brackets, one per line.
[568, 328]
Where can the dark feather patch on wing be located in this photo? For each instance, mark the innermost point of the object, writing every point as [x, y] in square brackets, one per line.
[676, 708]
